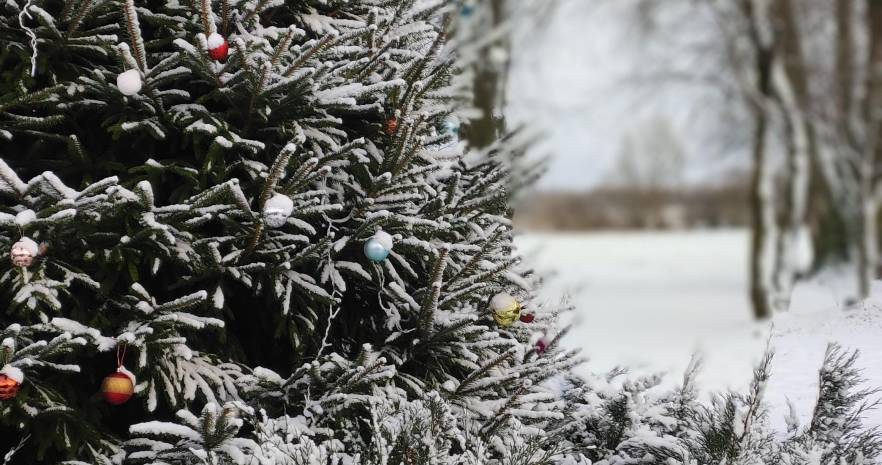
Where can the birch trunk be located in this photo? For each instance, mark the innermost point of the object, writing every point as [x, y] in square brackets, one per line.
[868, 253]
[790, 87]
[762, 250]
[868, 248]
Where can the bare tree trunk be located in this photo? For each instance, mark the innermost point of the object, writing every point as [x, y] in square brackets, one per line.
[761, 192]
[791, 89]
[490, 85]
[868, 249]
[760, 199]
[844, 59]
[832, 223]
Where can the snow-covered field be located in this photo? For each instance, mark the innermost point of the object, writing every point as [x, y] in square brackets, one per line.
[649, 300]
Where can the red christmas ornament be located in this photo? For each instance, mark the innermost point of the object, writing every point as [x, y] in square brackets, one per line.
[8, 387]
[527, 318]
[541, 346]
[117, 388]
[10, 381]
[218, 48]
[391, 125]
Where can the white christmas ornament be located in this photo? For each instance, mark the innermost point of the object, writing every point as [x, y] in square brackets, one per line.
[277, 210]
[129, 82]
[23, 252]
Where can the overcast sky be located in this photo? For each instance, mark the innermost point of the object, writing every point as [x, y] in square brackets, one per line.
[583, 78]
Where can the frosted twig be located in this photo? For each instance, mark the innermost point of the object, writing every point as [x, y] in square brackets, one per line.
[30, 33]
[331, 315]
[8, 457]
[382, 277]
[331, 312]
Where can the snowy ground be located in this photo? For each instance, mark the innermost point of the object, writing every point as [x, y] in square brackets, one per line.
[651, 300]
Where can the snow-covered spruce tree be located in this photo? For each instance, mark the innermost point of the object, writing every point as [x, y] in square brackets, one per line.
[188, 189]
[635, 423]
[836, 432]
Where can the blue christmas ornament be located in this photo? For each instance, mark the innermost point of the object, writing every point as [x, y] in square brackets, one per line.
[450, 125]
[375, 251]
[467, 9]
[378, 247]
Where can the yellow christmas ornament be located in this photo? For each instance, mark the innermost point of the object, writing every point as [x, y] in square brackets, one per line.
[505, 308]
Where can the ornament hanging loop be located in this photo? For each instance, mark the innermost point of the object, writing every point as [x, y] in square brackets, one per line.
[30, 32]
[120, 354]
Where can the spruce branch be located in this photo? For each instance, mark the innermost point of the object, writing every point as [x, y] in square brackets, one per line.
[259, 85]
[283, 45]
[503, 414]
[473, 262]
[78, 17]
[324, 43]
[275, 173]
[225, 17]
[465, 385]
[299, 176]
[552, 344]
[207, 17]
[10, 180]
[30, 98]
[406, 156]
[254, 239]
[430, 303]
[247, 65]
[254, 11]
[66, 10]
[754, 399]
[134, 30]
[403, 147]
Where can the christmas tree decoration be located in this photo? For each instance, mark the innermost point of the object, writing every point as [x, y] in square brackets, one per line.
[391, 126]
[118, 387]
[527, 318]
[129, 82]
[505, 308]
[266, 346]
[450, 126]
[218, 47]
[467, 8]
[378, 247]
[542, 345]
[10, 382]
[23, 252]
[277, 210]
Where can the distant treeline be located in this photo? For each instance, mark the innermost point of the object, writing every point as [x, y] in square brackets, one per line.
[630, 208]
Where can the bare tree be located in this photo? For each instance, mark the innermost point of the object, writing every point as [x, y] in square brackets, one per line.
[491, 31]
[809, 75]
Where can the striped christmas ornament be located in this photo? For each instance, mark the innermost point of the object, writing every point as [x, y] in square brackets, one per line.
[10, 381]
[118, 387]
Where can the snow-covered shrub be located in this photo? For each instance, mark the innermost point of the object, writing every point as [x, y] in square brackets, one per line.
[636, 424]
